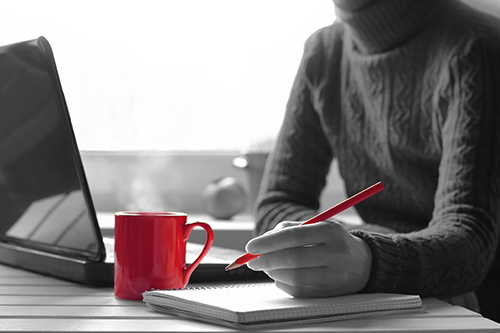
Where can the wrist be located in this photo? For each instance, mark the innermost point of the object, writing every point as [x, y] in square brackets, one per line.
[364, 263]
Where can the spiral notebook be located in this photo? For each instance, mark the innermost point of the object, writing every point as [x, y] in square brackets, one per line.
[263, 305]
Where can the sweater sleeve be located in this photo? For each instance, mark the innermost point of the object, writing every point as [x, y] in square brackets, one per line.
[455, 251]
[297, 167]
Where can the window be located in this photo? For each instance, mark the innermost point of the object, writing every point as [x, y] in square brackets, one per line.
[171, 75]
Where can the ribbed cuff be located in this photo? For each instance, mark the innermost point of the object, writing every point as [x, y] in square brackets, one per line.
[386, 263]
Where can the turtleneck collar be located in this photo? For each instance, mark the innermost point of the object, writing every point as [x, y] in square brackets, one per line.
[380, 25]
[351, 5]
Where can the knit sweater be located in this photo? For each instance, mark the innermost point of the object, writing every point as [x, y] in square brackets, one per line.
[405, 92]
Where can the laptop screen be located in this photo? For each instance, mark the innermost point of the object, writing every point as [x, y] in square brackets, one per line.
[44, 200]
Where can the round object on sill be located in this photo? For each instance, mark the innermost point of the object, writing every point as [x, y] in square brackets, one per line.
[224, 198]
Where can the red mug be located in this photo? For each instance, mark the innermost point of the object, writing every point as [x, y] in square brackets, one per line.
[150, 252]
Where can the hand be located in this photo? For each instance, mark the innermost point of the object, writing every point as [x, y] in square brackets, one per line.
[313, 260]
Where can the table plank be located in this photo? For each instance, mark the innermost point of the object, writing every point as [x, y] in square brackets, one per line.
[64, 290]
[78, 311]
[461, 325]
[140, 310]
[33, 280]
[106, 325]
[100, 300]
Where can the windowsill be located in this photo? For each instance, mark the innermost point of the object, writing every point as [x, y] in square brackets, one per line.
[175, 181]
[170, 180]
[234, 233]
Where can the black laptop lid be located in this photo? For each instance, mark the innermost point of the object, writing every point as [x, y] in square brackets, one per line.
[44, 197]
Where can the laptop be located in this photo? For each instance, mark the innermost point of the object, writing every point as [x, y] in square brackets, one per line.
[48, 223]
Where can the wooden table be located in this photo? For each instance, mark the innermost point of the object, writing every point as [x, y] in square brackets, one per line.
[34, 303]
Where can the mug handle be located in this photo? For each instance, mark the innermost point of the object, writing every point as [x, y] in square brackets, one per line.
[188, 227]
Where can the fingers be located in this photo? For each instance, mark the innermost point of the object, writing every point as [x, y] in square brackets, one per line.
[316, 260]
[297, 257]
[300, 276]
[308, 282]
[316, 282]
[293, 236]
[286, 224]
[302, 292]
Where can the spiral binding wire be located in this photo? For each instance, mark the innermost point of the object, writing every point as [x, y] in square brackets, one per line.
[225, 286]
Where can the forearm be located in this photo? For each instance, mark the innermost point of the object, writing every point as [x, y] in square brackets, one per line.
[296, 171]
[290, 193]
[429, 262]
[454, 252]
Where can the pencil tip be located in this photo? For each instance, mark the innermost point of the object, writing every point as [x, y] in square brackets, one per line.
[232, 266]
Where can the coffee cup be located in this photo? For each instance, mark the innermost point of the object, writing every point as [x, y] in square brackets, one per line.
[150, 252]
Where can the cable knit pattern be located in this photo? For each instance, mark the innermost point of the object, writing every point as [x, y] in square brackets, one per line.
[420, 114]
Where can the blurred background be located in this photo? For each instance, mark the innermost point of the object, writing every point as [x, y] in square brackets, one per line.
[170, 74]
[165, 94]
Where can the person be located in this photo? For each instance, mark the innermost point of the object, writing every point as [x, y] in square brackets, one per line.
[403, 92]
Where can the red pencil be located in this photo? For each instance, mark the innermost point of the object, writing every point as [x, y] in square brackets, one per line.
[347, 203]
